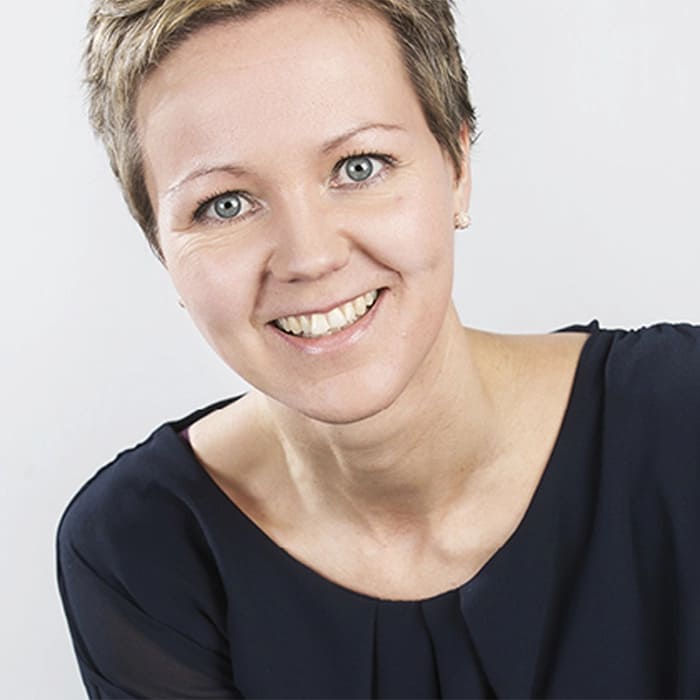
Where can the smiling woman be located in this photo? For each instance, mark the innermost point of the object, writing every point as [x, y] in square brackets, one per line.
[401, 506]
[325, 144]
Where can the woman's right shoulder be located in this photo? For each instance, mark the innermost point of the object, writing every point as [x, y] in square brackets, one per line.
[121, 506]
[140, 573]
[150, 502]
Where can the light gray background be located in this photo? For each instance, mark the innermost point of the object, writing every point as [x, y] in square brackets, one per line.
[585, 206]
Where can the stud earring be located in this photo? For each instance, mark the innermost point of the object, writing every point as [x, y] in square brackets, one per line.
[180, 303]
[463, 220]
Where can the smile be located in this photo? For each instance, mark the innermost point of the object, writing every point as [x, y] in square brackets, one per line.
[319, 325]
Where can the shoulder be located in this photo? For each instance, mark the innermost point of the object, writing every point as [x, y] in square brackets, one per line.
[139, 527]
[140, 583]
[649, 444]
[649, 418]
[539, 366]
[123, 496]
[655, 370]
[154, 485]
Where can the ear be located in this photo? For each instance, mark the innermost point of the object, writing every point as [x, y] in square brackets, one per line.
[463, 184]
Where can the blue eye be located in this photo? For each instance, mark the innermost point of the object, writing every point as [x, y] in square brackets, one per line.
[362, 170]
[228, 206]
[359, 168]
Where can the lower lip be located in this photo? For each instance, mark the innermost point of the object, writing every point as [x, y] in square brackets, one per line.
[327, 343]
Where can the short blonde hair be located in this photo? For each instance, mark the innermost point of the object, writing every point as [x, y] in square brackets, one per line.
[128, 38]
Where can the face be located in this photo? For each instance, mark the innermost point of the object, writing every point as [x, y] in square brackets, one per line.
[305, 210]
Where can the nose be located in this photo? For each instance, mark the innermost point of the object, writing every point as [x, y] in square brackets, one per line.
[309, 243]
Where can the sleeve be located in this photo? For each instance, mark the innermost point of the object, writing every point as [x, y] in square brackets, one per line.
[657, 455]
[143, 624]
[656, 378]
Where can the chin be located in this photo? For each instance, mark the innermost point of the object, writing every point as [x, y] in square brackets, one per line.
[344, 414]
[344, 406]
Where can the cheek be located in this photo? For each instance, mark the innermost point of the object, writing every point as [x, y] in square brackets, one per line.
[413, 233]
[217, 282]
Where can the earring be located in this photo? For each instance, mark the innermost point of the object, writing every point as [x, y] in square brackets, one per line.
[180, 303]
[463, 220]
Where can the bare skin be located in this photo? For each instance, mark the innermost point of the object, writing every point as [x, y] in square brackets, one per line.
[393, 457]
[362, 530]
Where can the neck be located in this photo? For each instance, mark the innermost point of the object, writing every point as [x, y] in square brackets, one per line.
[406, 466]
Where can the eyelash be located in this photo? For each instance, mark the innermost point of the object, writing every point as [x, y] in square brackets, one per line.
[389, 161]
[206, 202]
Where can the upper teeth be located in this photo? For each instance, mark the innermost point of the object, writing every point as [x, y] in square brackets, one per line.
[316, 325]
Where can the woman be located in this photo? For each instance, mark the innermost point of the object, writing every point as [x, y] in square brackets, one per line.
[401, 507]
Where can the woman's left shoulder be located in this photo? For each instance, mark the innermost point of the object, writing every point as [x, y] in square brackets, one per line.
[656, 367]
[648, 442]
[672, 339]
[649, 413]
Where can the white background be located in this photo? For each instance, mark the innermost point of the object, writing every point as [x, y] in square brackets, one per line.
[585, 206]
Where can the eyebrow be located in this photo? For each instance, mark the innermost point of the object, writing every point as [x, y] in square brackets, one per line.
[340, 140]
[240, 170]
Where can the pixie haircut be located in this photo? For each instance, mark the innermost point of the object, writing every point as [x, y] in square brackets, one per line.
[127, 39]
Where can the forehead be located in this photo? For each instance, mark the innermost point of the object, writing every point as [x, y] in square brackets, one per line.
[296, 74]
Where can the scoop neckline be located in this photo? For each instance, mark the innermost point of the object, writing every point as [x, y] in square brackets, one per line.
[175, 427]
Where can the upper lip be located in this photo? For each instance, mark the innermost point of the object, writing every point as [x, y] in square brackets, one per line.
[327, 307]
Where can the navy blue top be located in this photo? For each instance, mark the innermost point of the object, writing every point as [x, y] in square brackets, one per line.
[172, 592]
